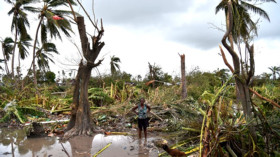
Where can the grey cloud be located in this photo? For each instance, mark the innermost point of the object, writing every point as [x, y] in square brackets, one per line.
[270, 30]
[135, 12]
[197, 36]
[139, 14]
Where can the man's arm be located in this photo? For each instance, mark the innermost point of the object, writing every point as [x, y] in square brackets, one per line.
[134, 109]
[149, 108]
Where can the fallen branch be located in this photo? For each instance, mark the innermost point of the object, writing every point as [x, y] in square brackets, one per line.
[65, 150]
[191, 129]
[230, 151]
[264, 98]
[65, 110]
[156, 116]
[47, 122]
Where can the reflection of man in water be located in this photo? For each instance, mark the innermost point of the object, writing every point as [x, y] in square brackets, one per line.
[143, 151]
[143, 121]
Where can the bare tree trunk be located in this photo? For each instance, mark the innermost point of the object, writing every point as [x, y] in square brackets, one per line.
[34, 54]
[245, 98]
[241, 83]
[80, 119]
[75, 104]
[183, 76]
[13, 55]
[80, 123]
[152, 74]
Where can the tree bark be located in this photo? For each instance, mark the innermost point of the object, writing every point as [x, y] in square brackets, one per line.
[183, 77]
[34, 54]
[80, 123]
[14, 51]
[80, 119]
[242, 87]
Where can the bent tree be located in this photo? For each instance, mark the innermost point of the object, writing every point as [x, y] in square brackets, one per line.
[80, 123]
[239, 30]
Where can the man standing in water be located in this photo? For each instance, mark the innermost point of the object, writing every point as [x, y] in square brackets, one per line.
[143, 121]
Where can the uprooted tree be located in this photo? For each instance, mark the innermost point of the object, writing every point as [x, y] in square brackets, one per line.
[80, 123]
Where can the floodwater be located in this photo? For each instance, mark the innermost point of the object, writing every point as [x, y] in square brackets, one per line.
[14, 143]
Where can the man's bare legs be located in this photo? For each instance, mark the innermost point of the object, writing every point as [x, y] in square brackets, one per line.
[139, 133]
[145, 133]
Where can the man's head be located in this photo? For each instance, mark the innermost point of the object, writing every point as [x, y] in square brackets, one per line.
[142, 100]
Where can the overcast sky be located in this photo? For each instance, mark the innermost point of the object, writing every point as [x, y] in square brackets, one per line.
[156, 31]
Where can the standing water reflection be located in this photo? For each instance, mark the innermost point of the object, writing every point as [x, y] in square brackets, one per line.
[13, 142]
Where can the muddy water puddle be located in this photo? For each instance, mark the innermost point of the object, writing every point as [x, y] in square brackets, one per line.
[14, 143]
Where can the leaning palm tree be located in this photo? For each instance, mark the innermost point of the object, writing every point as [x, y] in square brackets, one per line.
[48, 24]
[239, 29]
[19, 22]
[7, 48]
[114, 64]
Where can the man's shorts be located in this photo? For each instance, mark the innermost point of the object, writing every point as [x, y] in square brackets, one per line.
[143, 123]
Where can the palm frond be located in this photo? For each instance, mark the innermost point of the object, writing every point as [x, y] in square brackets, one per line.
[9, 1]
[50, 47]
[221, 6]
[255, 9]
[64, 23]
[117, 66]
[116, 59]
[13, 23]
[21, 28]
[7, 46]
[23, 44]
[44, 55]
[11, 11]
[66, 32]
[8, 40]
[31, 9]
[57, 3]
[267, 1]
[61, 12]
[43, 33]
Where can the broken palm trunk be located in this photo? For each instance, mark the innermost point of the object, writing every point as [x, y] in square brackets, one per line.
[183, 76]
[80, 123]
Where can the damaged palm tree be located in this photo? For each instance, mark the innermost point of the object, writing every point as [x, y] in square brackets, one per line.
[80, 115]
[240, 29]
[183, 76]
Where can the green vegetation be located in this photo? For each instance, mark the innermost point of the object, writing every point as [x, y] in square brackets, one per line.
[209, 100]
[224, 114]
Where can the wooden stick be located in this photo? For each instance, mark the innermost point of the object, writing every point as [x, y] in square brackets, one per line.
[75, 19]
[156, 116]
[65, 150]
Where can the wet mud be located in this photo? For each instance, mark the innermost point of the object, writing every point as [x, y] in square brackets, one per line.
[14, 142]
